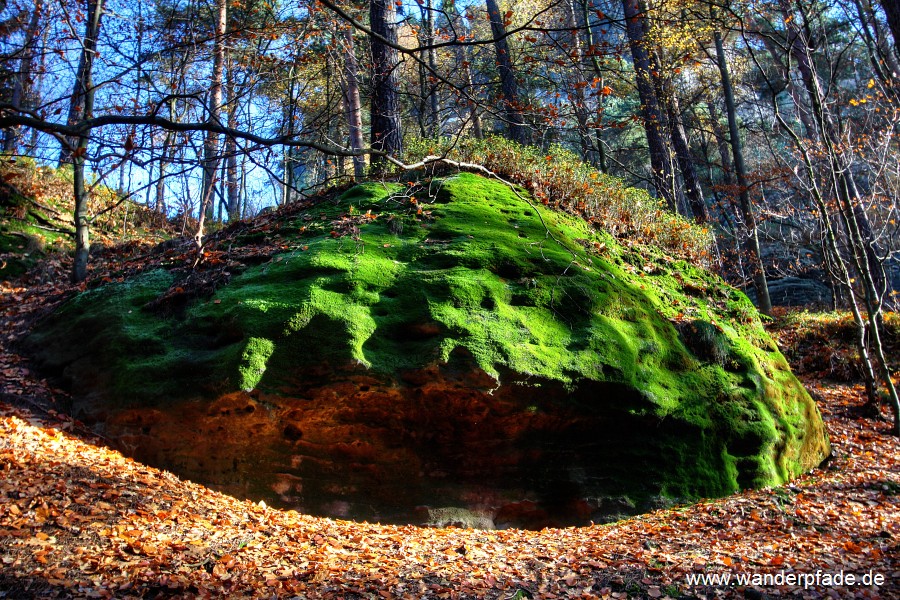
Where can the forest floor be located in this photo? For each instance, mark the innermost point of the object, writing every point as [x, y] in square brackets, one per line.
[78, 519]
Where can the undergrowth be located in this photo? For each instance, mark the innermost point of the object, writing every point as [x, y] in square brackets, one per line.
[36, 215]
[823, 344]
[560, 179]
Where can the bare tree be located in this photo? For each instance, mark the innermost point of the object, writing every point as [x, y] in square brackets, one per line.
[23, 80]
[213, 107]
[84, 83]
[866, 290]
[751, 238]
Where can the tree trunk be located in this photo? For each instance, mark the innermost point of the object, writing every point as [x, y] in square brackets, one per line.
[681, 144]
[892, 10]
[232, 191]
[287, 162]
[468, 81]
[214, 105]
[600, 72]
[166, 157]
[882, 59]
[387, 131]
[160, 202]
[751, 242]
[434, 111]
[23, 80]
[287, 186]
[509, 87]
[84, 89]
[579, 102]
[843, 181]
[352, 104]
[35, 98]
[721, 142]
[78, 110]
[422, 101]
[682, 148]
[650, 113]
[458, 26]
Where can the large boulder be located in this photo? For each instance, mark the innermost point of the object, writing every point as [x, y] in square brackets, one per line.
[461, 348]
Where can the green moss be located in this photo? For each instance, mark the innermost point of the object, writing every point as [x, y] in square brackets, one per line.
[254, 360]
[485, 276]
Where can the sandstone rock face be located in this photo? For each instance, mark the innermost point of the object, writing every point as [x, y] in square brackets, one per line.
[469, 359]
[796, 291]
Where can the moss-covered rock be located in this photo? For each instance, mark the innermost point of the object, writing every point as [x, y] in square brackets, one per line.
[647, 377]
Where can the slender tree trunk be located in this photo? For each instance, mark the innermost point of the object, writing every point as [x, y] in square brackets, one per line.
[721, 142]
[434, 111]
[214, 106]
[160, 203]
[287, 161]
[22, 80]
[682, 148]
[844, 182]
[244, 186]
[599, 73]
[83, 76]
[469, 82]
[459, 27]
[352, 104]
[166, 157]
[422, 114]
[34, 100]
[665, 125]
[387, 130]
[884, 64]
[659, 153]
[221, 184]
[509, 87]
[287, 186]
[751, 242]
[887, 50]
[84, 89]
[231, 169]
[579, 102]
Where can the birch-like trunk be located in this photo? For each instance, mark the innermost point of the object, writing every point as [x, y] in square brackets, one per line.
[352, 104]
[214, 106]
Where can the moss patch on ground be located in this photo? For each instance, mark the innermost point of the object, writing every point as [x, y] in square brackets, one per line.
[463, 270]
[28, 231]
[36, 217]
